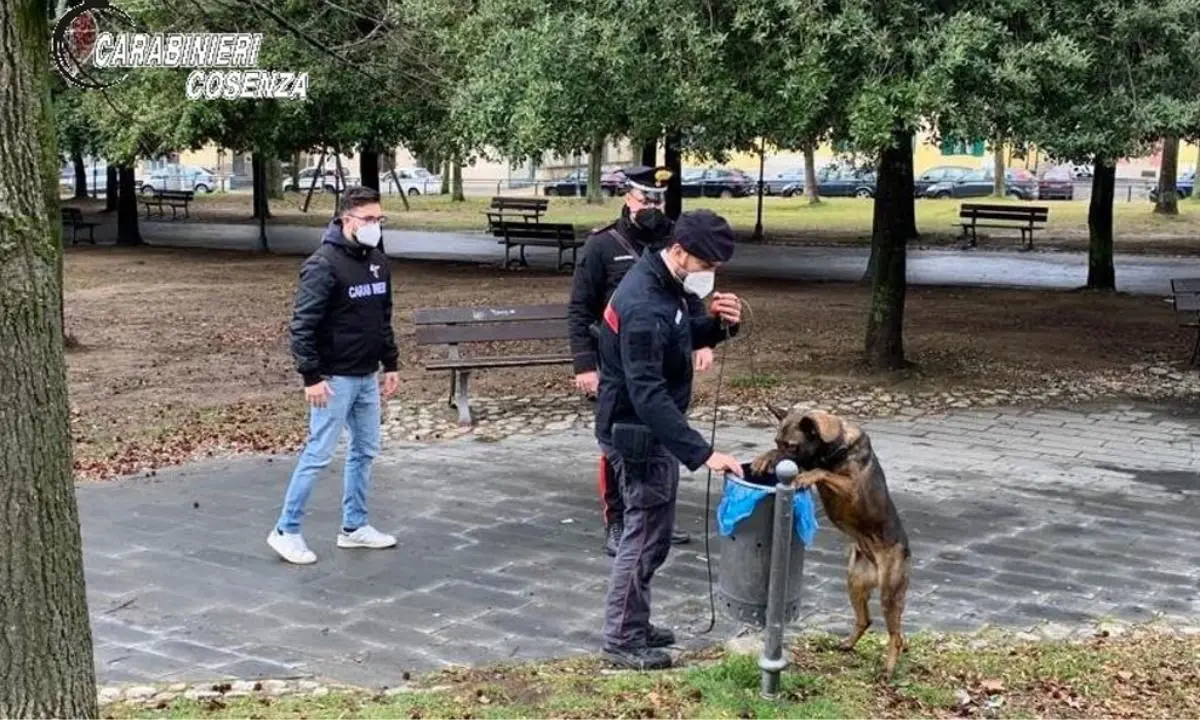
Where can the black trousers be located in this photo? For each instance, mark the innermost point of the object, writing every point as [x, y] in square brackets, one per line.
[650, 490]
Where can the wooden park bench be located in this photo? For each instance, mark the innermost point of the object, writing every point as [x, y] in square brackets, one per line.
[1185, 295]
[528, 209]
[1025, 218]
[168, 198]
[560, 236]
[73, 218]
[458, 326]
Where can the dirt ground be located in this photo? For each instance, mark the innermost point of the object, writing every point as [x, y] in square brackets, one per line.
[183, 352]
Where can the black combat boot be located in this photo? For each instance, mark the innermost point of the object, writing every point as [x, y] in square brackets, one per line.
[659, 637]
[612, 538]
[638, 658]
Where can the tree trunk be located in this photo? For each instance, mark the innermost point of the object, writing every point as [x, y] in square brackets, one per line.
[1101, 275]
[112, 188]
[258, 184]
[595, 193]
[296, 171]
[1168, 194]
[758, 225]
[457, 181]
[889, 246]
[81, 176]
[128, 231]
[810, 176]
[368, 168]
[999, 183]
[46, 665]
[446, 178]
[650, 153]
[274, 179]
[673, 159]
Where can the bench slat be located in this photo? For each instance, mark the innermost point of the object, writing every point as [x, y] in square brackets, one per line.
[498, 362]
[549, 231]
[1185, 285]
[448, 315]
[501, 202]
[996, 215]
[492, 332]
[1188, 302]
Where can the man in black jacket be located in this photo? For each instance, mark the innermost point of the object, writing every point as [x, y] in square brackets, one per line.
[607, 255]
[646, 343]
[341, 334]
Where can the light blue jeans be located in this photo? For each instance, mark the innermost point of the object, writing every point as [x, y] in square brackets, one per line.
[354, 405]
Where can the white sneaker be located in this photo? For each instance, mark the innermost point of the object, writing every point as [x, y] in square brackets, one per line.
[365, 537]
[291, 547]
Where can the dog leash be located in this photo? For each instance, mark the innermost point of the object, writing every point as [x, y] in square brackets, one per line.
[712, 441]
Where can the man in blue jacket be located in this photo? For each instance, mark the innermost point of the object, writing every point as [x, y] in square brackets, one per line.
[646, 343]
[341, 334]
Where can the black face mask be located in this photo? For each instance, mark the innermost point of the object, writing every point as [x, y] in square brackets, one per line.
[653, 221]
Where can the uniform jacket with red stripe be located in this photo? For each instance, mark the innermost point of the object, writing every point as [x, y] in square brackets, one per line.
[646, 343]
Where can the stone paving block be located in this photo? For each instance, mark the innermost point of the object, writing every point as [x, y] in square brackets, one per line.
[257, 670]
[190, 653]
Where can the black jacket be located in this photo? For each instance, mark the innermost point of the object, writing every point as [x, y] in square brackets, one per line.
[602, 263]
[342, 318]
[646, 343]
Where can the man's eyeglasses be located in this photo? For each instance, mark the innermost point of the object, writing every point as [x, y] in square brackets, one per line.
[381, 219]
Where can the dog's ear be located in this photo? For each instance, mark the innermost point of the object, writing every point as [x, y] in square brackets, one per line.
[821, 426]
[778, 412]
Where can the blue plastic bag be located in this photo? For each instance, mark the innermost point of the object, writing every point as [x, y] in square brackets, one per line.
[739, 501]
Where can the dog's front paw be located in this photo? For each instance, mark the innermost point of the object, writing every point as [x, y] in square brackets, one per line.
[808, 478]
[765, 464]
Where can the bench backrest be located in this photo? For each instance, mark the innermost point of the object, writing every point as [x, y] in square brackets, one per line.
[1187, 302]
[71, 214]
[176, 194]
[1185, 285]
[501, 202]
[533, 230]
[1022, 213]
[451, 326]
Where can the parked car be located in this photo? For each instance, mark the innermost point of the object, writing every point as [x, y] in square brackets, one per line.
[939, 174]
[1185, 186]
[839, 181]
[328, 182]
[1057, 183]
[1019, 183]
[612, 182]
[776, 184]
[180, 177]
[413, 181]
[716, 182]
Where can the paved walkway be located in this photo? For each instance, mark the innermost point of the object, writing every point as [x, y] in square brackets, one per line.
[1016, 517]
[1050, 270]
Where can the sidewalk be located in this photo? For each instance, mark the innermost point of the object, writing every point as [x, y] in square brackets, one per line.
[1016, 518]
[1137, 274]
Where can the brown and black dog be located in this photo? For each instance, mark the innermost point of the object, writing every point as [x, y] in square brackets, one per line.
[836, 458]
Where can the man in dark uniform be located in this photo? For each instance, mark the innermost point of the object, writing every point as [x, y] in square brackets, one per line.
[646, 342]
[608, 254]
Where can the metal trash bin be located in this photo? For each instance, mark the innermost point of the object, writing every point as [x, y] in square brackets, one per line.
[744, 568]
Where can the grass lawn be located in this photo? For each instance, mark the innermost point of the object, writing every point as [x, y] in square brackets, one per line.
[785, 220]
[185, 351]
[1147, 676]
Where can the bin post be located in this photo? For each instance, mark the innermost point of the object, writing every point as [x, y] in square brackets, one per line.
[772, 661]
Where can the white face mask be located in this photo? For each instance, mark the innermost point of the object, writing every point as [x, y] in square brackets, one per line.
[700, 283]
[369, 235]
